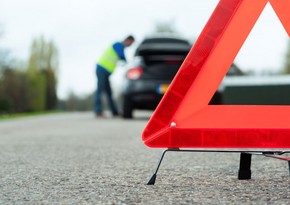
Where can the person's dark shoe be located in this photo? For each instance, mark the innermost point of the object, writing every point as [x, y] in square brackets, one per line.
[116, 115]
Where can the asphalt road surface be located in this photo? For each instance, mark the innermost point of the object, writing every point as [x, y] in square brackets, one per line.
[76, 159]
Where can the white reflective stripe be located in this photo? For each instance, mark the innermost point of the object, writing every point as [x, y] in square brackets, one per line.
[110, 57]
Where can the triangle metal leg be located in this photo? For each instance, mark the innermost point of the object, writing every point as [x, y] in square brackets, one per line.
[245, 160]
[245, 166]
[153, 177]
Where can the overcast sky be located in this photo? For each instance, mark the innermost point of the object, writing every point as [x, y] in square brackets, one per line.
[81, 29]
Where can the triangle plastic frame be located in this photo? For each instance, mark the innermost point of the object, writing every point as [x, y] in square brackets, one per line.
[183, 119]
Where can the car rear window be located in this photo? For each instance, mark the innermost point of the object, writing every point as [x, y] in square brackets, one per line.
[164, 40]
[163, 46]
[162, 57]
[162, 49]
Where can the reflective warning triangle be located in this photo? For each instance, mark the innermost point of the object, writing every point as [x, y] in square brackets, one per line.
[183, 119]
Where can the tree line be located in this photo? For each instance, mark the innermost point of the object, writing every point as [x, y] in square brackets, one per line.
[29, 86]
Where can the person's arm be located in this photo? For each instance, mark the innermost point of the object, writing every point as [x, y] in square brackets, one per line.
[120, 48]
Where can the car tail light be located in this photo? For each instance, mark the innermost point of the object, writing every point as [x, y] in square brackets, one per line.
[134, 73]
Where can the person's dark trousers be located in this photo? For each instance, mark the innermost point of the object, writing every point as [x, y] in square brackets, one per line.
[104, 87]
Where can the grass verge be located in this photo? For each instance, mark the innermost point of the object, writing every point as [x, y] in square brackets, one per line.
[30, 114]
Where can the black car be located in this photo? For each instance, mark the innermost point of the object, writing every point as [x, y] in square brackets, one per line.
[157, 59]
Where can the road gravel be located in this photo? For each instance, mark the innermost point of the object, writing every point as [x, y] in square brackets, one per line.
[74, 158]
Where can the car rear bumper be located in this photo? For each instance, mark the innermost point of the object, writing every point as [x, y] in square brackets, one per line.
[145, 94]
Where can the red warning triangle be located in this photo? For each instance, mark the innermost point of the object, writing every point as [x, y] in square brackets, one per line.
[183, 119]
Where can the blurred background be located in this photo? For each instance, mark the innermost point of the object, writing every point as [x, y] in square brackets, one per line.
[49, 48]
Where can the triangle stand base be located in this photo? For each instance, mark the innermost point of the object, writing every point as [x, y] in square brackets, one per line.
[245, 160]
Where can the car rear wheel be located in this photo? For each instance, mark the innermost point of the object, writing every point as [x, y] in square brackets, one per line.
[127, 108]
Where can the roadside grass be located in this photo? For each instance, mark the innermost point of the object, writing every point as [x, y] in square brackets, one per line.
[22, 115]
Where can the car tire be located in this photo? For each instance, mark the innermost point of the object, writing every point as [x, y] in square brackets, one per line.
[127, 108]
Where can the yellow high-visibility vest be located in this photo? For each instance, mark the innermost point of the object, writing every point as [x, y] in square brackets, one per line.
[109, 59]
